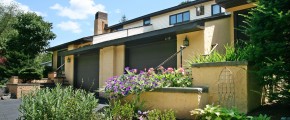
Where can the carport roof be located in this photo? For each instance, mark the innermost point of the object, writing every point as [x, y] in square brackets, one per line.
[190, 26]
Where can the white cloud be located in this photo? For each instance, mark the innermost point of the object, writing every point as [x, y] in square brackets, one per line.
[117, 11]
[78, 9]
[21, 6]
[70, 26]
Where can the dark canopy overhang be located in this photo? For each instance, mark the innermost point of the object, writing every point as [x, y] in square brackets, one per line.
[65, 45]
[231, 3]
[194, 25]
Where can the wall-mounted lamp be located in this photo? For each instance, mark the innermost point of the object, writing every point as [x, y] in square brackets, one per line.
[68, 59]
[186, 41]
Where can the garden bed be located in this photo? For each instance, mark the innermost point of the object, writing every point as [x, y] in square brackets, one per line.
[181, 100]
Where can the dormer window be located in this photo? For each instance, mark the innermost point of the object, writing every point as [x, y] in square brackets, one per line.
[216, 9]
[200, 10]
[179, 18]
[146, 21]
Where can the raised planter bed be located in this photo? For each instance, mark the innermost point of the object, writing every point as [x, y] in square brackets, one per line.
[231, 84]
[181, 100]
[17, 90]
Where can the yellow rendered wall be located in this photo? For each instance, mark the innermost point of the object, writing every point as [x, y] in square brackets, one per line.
[69, 66]
[181, 103]
[217, 31]
[196, 45]
[247, 96]
[112, 61]
[54, 60]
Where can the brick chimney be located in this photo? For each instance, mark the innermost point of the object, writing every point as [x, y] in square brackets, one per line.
[101, 21]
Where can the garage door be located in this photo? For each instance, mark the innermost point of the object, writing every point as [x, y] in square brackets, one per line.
[87, 71]
[152, 54]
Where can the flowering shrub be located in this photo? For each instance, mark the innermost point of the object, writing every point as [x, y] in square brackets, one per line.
[135, 83]
[131, 83]
[174, 78]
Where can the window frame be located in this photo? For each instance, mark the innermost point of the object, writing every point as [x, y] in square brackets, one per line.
[201, 10]
[145, 19]
[220, 9]
[182, 17]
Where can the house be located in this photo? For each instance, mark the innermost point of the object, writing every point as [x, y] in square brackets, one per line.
[149, 40]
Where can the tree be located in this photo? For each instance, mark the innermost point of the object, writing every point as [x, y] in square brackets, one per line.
[33, 35]
[268, 28]
[123, 19]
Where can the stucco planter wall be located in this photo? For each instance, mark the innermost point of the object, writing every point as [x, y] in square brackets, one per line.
[246, 90]
[181, 100]
[17, 90]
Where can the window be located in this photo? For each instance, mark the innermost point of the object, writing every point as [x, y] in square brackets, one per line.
[200, 10]
[146, 21]
[179, 18]
[216, 9]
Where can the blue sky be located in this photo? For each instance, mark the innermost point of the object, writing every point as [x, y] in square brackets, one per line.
[73, 19]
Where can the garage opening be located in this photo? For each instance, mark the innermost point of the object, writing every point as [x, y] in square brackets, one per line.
[87, 71]
[151, 54]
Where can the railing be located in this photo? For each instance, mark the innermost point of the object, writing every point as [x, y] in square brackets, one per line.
[121, 34]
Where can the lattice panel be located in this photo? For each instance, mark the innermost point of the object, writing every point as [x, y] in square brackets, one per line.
[226, 88]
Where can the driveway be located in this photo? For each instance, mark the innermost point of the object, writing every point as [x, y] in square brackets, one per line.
[9, 109]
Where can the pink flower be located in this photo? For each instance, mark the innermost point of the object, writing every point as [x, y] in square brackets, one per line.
[170, 70]
[181, 70]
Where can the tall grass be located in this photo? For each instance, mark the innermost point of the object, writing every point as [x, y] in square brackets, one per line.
[58, 104]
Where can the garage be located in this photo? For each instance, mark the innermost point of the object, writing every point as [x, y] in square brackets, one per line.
[151, 54]
[87, 71]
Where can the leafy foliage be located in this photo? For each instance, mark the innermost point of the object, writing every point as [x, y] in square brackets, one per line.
[211, 112]
[268, 28]
[58, 104]
[28, 74]
[158, 115]
[122, 111]
[231, 54]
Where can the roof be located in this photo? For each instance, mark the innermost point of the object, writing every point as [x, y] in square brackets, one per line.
[65, 45]
[190, 26]
[160, 12]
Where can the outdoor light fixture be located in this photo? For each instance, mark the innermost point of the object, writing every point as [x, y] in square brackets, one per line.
[186, 41]
[68, 59]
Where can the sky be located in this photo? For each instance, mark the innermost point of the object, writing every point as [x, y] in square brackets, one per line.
[74, 19]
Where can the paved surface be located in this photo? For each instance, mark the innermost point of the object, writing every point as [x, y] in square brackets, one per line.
[9, 108]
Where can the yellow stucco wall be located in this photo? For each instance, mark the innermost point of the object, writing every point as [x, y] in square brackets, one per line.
[54, 60]
[181, 103]
[217, 31]
[69, 66]
[196, 45]
[247, 96]
[112, 61]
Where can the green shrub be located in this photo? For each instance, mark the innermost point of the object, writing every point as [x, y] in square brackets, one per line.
[158, 115]
[211, 112]
[118, 111]
[231, 54]
[58, 104]
[27, 74]
[217, 113]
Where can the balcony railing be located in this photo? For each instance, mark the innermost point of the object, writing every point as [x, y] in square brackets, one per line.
[121, 34]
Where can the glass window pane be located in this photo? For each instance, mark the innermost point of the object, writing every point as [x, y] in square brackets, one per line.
[186, 16]
[179, 18]
[215, 9]
[147, 21]
[172, 19]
